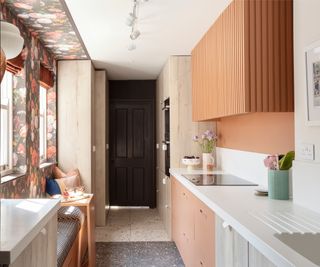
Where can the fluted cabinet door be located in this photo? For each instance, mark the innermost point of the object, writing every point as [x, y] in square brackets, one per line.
[258, 259]
[199, 75]
[244, 63]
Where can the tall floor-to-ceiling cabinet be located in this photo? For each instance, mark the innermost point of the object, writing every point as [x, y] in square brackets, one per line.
[174, 83]
[82, 127]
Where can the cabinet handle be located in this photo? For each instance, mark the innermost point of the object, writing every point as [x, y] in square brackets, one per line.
[226, 225]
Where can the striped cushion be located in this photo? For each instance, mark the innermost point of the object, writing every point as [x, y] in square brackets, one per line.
[69, 221]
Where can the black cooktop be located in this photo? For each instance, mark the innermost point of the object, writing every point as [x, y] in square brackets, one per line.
[217, 180]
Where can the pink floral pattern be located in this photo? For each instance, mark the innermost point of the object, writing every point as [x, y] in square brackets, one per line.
[26, 117]
[19, 122]
[49, 22]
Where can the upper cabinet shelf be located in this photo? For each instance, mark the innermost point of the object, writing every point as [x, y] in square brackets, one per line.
[244, 63]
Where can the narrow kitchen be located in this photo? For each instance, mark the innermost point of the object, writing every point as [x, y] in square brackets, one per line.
[159, 133]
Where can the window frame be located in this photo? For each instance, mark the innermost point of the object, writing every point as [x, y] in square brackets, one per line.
[43, 158]
[8, 169]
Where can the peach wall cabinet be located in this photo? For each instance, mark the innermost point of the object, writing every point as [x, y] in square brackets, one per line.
[192, 227]
[244, 63]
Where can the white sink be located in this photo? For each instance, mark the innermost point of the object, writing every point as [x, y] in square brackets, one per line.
[306, 244]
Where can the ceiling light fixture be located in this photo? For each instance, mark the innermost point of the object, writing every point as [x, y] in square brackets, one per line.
[11, 44]
[134, 35]
[132, 21]
[132, 46]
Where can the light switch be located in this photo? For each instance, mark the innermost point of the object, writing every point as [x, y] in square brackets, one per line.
[157, 146]
[306, 152]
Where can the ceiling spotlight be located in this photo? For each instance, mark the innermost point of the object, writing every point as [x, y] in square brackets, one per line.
[131, 19]
[132, 47]
[134, 35]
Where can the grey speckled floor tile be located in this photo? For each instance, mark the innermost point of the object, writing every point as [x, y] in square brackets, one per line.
[132, 224]
[138, 254]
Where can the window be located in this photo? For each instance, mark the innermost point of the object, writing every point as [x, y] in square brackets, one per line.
[43, 124]
[6, 124]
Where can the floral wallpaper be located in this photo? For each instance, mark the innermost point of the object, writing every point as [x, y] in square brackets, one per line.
[48, 21]
[19, 188]
[26, 117]
[19, 122]
[51, 125]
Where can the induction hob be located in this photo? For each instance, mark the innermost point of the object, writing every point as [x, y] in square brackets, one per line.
[217, 180]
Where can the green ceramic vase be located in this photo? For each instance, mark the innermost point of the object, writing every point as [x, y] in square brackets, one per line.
[278, 184]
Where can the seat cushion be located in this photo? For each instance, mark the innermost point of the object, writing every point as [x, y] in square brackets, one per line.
[52, 187]
[69, 222]
[71, 213]
[67, 233]
[71, 182]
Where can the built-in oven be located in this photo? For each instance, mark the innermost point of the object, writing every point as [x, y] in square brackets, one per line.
[166, 141]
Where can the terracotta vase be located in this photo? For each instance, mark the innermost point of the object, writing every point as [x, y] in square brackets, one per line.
[3, 64]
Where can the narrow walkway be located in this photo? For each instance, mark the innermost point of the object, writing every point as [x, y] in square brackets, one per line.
[138, 254]
[132, 224]
[135, 237]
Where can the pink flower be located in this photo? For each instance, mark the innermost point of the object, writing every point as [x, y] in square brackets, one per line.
[271, 162]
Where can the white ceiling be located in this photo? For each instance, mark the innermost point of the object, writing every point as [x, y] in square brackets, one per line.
[168, 27]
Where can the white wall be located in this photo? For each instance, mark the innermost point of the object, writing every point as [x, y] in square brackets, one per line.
[246, 165]
[306, 175]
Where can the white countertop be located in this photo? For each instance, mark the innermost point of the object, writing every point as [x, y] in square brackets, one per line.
[247, 213]
[20, 221]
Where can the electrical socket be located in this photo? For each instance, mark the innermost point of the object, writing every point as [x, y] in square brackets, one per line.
[306, 152]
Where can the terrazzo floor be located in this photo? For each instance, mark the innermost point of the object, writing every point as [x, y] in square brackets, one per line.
[132, 224]
[138, 254]
[135, 237]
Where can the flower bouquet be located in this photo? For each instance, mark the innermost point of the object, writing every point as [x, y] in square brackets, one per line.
[207, 143]
[278, 175]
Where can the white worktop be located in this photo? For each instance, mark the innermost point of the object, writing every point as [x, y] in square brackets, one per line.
[239, 207]
[20, 222]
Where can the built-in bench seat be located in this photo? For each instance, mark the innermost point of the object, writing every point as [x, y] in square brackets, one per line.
[70, 220]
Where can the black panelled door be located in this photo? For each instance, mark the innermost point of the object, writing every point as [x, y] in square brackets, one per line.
[132, 181]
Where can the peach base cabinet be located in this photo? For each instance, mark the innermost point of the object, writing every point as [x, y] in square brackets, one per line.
[192, 227]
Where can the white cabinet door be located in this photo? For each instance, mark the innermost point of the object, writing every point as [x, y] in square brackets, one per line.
[231, 247]
[42, 251]
[258, 259]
